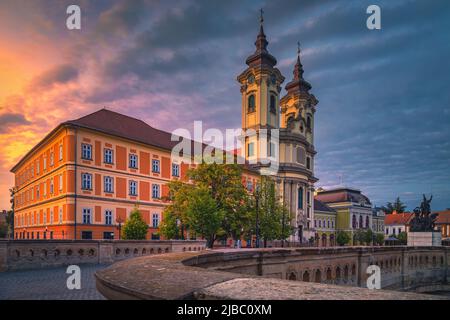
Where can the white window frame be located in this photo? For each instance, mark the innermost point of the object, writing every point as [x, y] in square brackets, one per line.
[156, 166]
[60, 182]
[132, 186]
[175, 170]
[60, 152]
[156, 191]
[108, 181]
[109, 212]
[86, 181]
[60, 215]
[108, 156]
[87, 212]
[155, 218]
[86, 151]
[133, 161]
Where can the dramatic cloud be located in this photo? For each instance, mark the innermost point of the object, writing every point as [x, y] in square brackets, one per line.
[381, 124]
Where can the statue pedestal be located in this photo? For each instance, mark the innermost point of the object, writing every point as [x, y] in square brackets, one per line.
[424, 239]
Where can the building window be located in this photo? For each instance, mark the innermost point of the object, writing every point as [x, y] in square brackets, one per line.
[108, 184]
[301, 155]
[51, 186]
[273, 107]
[45, 189]
[37, 167]
[108, 217]
[133, 188]
[308, 122]
[272, 149]
[60, 215]
[51, 216]
[155, 166]
[52, 162]
[37, 193]
[308, 163]
[155, 191]
[175, 170]
[155, 220]
[86, 216]
[300, 199]
[315, 223]
[361, 222]
[108, 156]
[45, 163]
[86, 151]
[133, 161]
[60, 152]
[251, 104]
[367, 222]
[250, 149]
[354, 222]
[86, 235]
[86, 181]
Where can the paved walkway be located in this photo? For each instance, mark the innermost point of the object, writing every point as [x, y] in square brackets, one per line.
[48, 284]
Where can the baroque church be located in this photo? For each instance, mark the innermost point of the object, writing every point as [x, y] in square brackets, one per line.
[292, 117]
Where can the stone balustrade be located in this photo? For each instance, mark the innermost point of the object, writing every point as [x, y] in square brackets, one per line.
[302, 273]
[31, 254]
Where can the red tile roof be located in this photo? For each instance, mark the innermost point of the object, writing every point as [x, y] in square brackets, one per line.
[398, 218]
[443, 217]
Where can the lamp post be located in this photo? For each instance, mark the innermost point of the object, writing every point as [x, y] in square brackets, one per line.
[181, 227]
[257, 215]
[119, 220]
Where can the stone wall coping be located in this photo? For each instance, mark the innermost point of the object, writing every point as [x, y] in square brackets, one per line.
[176, 276]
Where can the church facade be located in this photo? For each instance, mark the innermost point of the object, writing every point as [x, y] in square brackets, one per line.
[292, 118]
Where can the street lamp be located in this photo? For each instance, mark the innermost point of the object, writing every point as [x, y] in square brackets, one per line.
[257, 215]
[119, 220]
[180, 226]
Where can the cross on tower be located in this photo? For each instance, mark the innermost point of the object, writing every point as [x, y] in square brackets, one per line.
[261, 17]
[298, 48]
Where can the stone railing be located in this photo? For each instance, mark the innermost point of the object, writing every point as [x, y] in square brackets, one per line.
[326, 273]
[30, 254]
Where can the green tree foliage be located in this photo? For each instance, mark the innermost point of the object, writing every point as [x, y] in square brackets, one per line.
[274, 218]
[343, 238]
[135, 227]
[368, 237]
[402, 237]
[398, 206]
[379, 239]
[204, 215]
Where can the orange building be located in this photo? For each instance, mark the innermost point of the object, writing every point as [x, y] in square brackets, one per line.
[86, 176]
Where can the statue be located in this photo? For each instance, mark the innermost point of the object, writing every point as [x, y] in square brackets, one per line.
[423, 220]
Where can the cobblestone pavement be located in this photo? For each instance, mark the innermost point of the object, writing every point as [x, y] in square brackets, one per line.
[48, 284]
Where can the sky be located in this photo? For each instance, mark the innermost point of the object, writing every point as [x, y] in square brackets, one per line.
[382, 123]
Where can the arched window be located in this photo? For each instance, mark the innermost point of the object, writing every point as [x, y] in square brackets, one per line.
[308, 122]
[367, 222]
[273, 106]
[354, 222]
[251, 103]
[361, 222]
[308, 163]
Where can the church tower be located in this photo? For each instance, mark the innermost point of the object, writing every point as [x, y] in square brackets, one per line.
[260, 89]
[296, 173]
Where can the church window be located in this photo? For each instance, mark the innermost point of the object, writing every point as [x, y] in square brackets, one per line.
[301, 155]
[308, 122]
[250, 149]
[251, 103]
[308, 163]
[354, 222]
[300, 198]
[273, 107]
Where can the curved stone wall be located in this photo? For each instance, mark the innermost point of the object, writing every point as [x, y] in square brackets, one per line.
[31, 254]
[335, 272]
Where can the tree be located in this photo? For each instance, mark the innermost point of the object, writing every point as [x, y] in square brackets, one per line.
[135, 227]
[368, 237]
[204, 215]
[175, 221]
[342, 238]
[402, 237]
[397, 206]
[379, 239]
[359, 237]
[3, 230]
[274, 218]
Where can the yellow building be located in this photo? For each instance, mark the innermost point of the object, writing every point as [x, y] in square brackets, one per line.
[291, 119]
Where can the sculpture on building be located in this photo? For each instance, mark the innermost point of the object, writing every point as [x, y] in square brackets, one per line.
[423, 220]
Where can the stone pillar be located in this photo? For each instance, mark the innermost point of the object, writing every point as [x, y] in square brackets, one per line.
[3, 256]
[105, 252]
